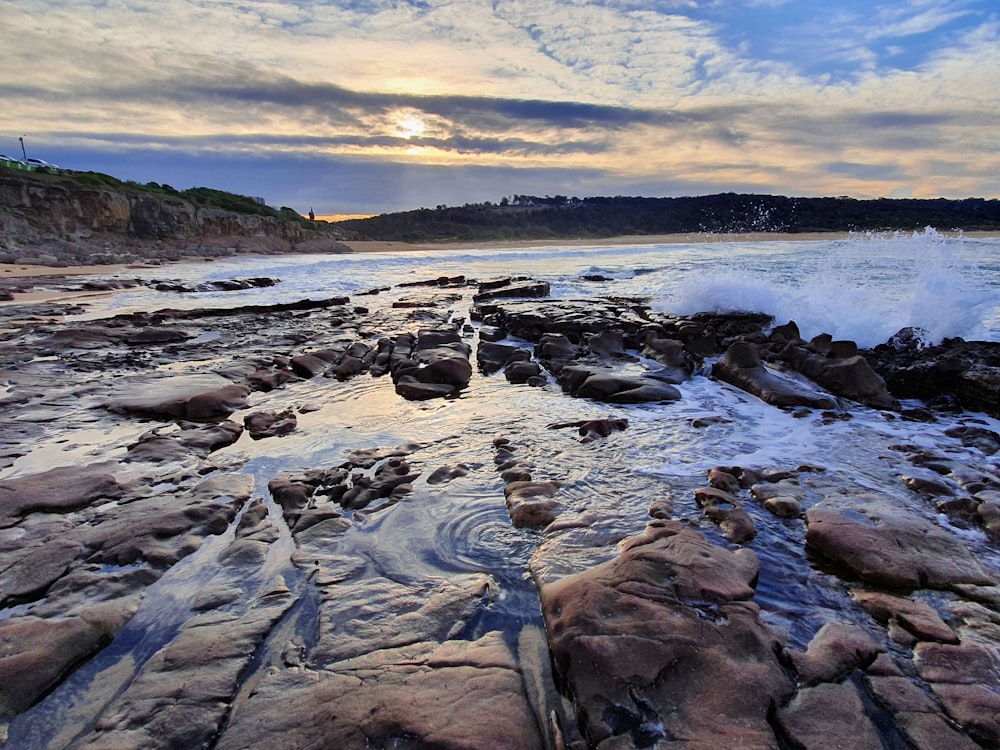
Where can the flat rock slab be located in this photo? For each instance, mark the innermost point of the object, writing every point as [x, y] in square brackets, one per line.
[182, 694]
[198, 398]
[63, 489]
[36, 654]
[889, 546]
[456, 694]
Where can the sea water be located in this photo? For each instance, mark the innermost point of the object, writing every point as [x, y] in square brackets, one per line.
[865, 288]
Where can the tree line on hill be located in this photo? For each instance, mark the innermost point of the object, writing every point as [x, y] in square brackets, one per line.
[560, 217]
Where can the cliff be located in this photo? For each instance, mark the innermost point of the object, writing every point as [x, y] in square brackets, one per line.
[81, 218]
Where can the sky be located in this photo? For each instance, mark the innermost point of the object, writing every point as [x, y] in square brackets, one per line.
[373, 106]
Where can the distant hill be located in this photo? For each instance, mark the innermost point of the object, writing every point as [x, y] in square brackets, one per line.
[526, 217]
[61, 218]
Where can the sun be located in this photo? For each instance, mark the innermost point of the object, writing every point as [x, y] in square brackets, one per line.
[410, 125]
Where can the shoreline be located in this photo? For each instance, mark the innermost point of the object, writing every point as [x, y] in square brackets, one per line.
[11, 271]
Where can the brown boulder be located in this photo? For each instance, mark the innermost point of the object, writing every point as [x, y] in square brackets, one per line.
[829, 716]
[889, 546]
[644, 642]
[833, 653]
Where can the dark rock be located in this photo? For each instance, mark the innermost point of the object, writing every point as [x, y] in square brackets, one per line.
[607, 386]
[840, 369]
[198, 398]
[971, 436]
[741, 367]
[522, 289]
[263, 424]
[519, 373]
[410, 388]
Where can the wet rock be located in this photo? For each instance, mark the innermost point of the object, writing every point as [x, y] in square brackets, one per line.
[530, 504]
[724, 510]
[678, 365]
[492, 357]
[151, 335]
[26, 574]
[783, 498]
[972, 436]
[917, 617]
[834, 653]
[837, 366]
[723, 480]
[414, 390]
[196, 398]
[511, 289]
[220, 285]
[456, 694]
[267, 379]
[309, 365]
[889, 546]
[556, 351]
[182, 694]
[643, 642]
[36, 654]
[917, 715]
[159, 530]
[603, 385]
[444, 474]
[607, 343]
[292, 492]
[263, 424]
[968, 370]
[741, 367]
[829, 715]
[966, 679]
[432, 364]
[521, 372]
[65, 488]
[590, 429]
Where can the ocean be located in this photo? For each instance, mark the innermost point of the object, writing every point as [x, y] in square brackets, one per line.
[863, 288]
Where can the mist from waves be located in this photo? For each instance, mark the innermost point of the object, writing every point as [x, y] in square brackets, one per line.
[864, 289]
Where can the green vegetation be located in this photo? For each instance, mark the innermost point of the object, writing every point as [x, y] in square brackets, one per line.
[559, 217]
[202, 197]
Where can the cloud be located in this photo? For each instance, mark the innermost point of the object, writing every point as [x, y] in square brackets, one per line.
[668, 95]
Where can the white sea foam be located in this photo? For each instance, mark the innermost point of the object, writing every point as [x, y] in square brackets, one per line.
[864, 289]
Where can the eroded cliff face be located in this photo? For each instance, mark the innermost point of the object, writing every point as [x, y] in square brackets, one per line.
[54, 221]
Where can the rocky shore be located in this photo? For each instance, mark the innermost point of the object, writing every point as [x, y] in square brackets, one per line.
[166, 582]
